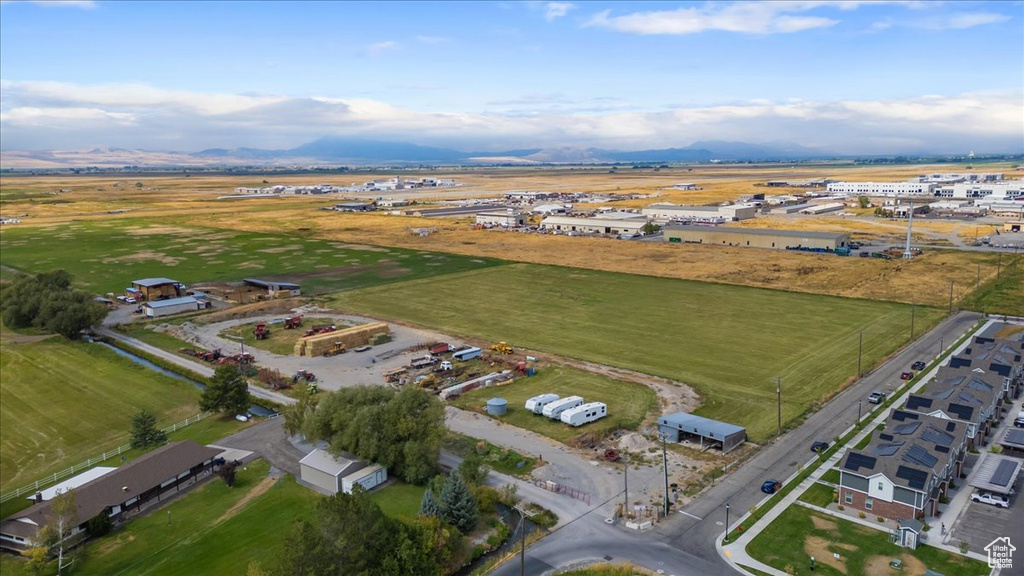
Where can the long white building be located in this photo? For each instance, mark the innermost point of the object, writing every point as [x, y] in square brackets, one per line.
[733, 212]
[594, 225]
[992, 191]
[882, 188]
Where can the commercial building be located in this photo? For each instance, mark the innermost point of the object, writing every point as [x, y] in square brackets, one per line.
[683, 427]
[686, 186]
[508, 218]
[756, 237]
[331, 474]
[906, 468]
[734, 212]
[173, 306]
[355, 207]
[991, 191]
[790, 208]
[952, 178]
[815, 209]
[882, 188]
[131, 487]
[594, 225]
[156, 289]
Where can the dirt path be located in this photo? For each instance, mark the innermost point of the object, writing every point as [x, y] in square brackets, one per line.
[256, 492]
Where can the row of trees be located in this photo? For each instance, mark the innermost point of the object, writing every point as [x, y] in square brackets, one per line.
[47, 301]
[400, 430]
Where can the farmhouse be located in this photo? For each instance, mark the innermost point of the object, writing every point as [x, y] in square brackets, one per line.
[594, 225]
[173, 306]
[906, 468]
[681, 427]
[156, 288]
[330, 474]
[510, 218]
[130, 487]
[274, 288]
[756, 237]
[700, 213]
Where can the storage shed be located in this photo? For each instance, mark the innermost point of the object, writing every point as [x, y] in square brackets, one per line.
[324, 472]
[680, 427]
[157, 288]
[274, 288]
[497, 406]
[173, 306]
[369, 478]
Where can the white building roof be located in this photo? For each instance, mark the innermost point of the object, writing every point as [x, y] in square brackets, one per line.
[74, 482]
[324, 461]
[171, 302]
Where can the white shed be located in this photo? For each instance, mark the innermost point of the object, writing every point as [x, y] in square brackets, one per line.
[369, 478]
[324, 472]
[158, 308]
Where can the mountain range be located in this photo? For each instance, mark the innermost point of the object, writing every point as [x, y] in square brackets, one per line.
[357, 151]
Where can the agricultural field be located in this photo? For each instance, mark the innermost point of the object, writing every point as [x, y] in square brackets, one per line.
[799, 533]
[46, 385]
[1003, 294]
[728, 342]
[105, 256]
[628, 403]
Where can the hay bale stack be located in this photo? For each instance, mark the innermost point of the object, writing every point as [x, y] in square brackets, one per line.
[352, 337]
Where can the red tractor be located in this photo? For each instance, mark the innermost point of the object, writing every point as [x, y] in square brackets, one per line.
[261, 331]
[293, 322]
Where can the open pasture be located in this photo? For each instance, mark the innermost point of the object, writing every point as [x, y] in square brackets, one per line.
[106, 256]
[730, 343]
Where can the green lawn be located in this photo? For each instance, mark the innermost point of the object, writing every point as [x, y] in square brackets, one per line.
[400, 500]
[818, 494]
[627, 403]
[500, 459]
[1002, 295]
[106, 256]
[793, 537]
[62, 402]
[729, 342]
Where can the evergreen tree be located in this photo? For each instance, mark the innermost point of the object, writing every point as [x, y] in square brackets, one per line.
[429, 505]
[227, 392]
[145, 432]
[458, 505]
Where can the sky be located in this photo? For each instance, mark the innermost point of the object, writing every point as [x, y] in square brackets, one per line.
[845, 77]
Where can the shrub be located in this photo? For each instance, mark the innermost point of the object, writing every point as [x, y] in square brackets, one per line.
[862, 515]
[880, 519]
[841, 507]
[964, 547]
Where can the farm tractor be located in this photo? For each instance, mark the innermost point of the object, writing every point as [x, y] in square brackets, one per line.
[293, 322]
[304, 376]
[503, 348]
[320, 329]
[335, 349]
[261, 331]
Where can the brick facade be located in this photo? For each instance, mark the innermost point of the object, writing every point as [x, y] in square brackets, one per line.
[891, 510]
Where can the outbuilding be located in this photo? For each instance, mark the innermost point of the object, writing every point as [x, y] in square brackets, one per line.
[369, 478]
[680, 427]
[509, 218]
[997, 474]
[325, 472]
[173, 306]
[274, 288]
[157, 288]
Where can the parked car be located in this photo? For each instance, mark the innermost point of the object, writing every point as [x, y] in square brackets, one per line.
[991, 499]
[122, 299]
[771, 486]
[363, 348]
[1019, 420]
[876, 397]
[906, 376]
[130, 300]
[919, 365]
[819, 446]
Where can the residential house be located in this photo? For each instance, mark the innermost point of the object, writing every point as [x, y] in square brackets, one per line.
[963, 395]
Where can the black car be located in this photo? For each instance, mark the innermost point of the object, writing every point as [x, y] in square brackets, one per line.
[819, 446]
[919, 365]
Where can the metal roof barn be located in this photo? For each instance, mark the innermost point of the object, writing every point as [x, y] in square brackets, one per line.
[680, 426]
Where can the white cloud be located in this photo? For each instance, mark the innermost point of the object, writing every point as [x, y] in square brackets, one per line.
[556, 10]
[379, 47]
[52, 115]
[962, 20]
[84, 4]
[741, 17]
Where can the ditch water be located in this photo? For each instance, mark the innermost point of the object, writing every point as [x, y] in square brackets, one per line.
[511, 518]
[255, 409]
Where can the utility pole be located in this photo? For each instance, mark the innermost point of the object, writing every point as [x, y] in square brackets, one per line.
[664, 462]
[860, 350]
[941, 347]
[858, 411]
[625, 496]
[522, 546]
[778, 393]
[950, 296]
[977, 282]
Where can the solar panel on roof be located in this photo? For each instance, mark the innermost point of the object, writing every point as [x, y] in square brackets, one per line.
[900, 416]
[1004, 472]
[915, 402]
[935, 436]
[959, 362]
[944, 394]
[1001, 369]
[979, 385]
[885, 436]
[951, 426]
[908, 428]
[960, 411]
[1014, 436]
[915, 478]
[920, 456]
[943, 449]
[855, 461]
[887, 449]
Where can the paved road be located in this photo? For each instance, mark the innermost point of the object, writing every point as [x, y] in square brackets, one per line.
[686, 543]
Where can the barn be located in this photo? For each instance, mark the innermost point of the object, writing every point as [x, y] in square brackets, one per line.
[331, 474]
[156, 288]
[173, 306]
[681, 427]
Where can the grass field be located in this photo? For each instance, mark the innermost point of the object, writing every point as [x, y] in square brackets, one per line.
[799, 533]
[729, 342]
[62, 402]
[106, 256]
[400, 500]
[504, 460]
[1002, 295]
[280, 341]
[627, 403]
[818, 494]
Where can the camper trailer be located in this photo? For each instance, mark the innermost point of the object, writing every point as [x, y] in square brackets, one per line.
[467, 354]
[584, 414]
[537, 403]
[555, 409]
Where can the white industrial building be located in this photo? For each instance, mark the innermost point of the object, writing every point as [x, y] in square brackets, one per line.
[686, 186]
[158, 308]
[509, 218]
[823, 208]
[953, 178]
[995, 191]
[329, 474]
[392, 202]
[882, 188]
[551, 209]
[733, 212]
[594, 225]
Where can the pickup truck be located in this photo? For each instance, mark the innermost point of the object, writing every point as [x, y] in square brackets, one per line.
[876, 397]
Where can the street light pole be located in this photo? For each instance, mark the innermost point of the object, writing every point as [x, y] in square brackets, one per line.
[950, 296]
[522, 545]
[858, 410]
[726, 521]
[625, 496]
[664, 463]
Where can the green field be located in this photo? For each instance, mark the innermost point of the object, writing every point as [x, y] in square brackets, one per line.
[107, 256]
[1002, 295]
[627, 403]
[400, 500]
[818, 494]
[785, 543]
[62, 402]
[729, 342]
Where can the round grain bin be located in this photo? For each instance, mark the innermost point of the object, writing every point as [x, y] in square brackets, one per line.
[497, 406]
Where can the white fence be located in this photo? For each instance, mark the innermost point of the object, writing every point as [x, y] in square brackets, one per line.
[67, 473]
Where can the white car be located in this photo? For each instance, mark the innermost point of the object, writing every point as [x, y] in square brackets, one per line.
[130, 300]
[992, 499]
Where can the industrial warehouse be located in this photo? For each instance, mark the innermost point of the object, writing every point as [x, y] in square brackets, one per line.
[757, 237]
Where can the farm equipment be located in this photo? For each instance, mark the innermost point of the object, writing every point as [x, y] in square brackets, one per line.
[439, 348]
[243, 359]
[293, 322]
[320, 329]
[204, 355]
[502, 348]
[394, 375]
[335, 349]
[423, 362]
[273, 379]
[261, 331]
[427, 381]
[303, 376]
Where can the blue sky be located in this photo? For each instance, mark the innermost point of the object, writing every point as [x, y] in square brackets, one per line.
[842, 76]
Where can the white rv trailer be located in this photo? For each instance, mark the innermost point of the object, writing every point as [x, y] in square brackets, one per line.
[537, 403]
[555, 409]
[585, 414]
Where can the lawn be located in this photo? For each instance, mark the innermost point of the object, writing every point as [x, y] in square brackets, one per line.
[503, 460]
[799, 533]
[818, 494]
[62, 402]
[627, 403]
[400, 500]
[104, 256]
[280, 341]
[729, 342]
[1002, 295]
